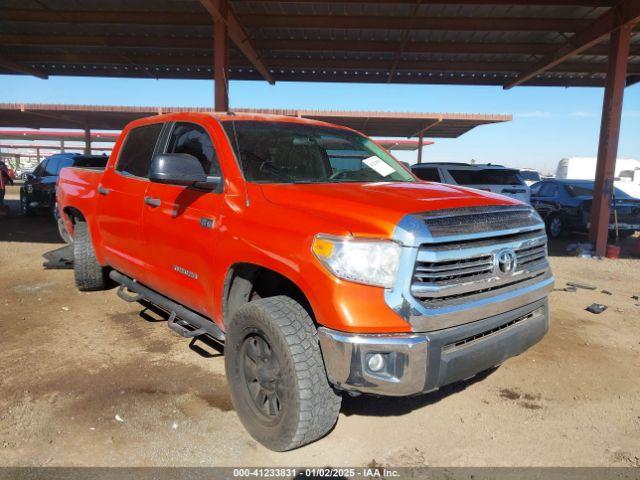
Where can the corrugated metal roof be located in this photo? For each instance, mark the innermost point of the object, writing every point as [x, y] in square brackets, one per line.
[352, 41]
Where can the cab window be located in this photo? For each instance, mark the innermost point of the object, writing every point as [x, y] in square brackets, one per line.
[138, 148]
[548, 190]
[62, 163]
[50, 166]
[193, 139]
[429, 174]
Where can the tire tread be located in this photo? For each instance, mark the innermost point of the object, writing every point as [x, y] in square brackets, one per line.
[319, 403]
[89, 274]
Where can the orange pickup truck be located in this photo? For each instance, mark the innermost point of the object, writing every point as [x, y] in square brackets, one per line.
[320, 261]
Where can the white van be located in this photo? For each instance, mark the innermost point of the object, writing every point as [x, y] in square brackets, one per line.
[488, 177]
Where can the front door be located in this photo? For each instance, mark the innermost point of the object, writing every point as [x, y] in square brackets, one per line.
[181, 225]
[121, 195]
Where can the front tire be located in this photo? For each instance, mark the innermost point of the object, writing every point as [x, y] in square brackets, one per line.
[555, 226]
[88, 273]
[25, 209]
[276, 374]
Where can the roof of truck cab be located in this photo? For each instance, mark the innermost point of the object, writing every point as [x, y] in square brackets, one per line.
[241, 117]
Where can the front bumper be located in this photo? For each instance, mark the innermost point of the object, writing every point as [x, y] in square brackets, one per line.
[422, 362]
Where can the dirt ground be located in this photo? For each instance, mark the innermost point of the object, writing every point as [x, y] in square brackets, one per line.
[86, 381]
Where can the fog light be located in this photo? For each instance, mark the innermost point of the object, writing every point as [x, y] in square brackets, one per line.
[375, 362]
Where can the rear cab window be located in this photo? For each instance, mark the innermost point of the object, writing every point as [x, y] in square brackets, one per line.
[136, 153]
[487, 177]
[430, 174]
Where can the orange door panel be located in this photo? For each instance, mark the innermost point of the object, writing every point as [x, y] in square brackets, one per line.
[181, 232]
[119, 215]
[181, 224]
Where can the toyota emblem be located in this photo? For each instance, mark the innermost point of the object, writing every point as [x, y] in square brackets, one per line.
[505, 261]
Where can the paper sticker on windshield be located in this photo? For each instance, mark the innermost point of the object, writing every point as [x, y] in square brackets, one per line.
[379, 166]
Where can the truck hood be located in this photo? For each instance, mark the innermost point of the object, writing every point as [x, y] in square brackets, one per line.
[355, 205]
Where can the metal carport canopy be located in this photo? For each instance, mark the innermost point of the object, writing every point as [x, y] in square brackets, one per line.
[375, 124]
[400, 41]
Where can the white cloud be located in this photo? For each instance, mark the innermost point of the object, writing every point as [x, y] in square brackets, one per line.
[533, 114]
[582, 114]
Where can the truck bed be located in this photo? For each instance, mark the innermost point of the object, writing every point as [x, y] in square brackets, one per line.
[77, 188]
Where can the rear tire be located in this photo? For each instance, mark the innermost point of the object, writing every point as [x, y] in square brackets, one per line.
[276, 374]
[89, 274]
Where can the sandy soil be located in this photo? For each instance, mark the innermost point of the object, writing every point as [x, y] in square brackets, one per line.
[86, 381]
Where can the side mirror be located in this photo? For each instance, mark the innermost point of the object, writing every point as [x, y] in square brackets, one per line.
[177, 169]
[29, 176]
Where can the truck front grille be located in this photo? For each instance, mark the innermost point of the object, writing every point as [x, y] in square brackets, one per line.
[455, 271]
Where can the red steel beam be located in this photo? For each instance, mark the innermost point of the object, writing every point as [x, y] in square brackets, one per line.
[221, 56]
[150, 17]
[419, 23]
[298, 44]
[626, 12]
[18, 68]
[313, 63]
[237, 33]
[87, 141]
[435, 123]
[609, 136]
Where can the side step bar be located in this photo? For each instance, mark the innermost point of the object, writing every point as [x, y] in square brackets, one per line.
[180, 317]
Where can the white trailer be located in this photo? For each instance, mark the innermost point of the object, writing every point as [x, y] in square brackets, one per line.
[584, 168]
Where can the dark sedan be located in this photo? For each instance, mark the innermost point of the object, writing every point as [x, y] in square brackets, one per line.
[565, 205]
[39, 189]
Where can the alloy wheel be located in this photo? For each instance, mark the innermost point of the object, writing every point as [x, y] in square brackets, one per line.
[262, 376]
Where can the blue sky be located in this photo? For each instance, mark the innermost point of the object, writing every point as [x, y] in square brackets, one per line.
[548, 123]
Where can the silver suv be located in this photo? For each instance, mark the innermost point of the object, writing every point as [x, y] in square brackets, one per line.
[488, 177]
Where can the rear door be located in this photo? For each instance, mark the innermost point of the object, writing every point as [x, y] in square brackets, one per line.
[181, 224]
[121, 195]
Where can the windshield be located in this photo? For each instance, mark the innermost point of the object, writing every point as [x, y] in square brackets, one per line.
[492, 176]
[586, 190]
[276, 152]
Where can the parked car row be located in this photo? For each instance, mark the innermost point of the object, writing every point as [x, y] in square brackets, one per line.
[564, 204]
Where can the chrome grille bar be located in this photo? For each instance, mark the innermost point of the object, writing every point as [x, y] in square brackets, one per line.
[450, 271]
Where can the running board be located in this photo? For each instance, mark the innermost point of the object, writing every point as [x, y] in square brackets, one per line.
[181, 318]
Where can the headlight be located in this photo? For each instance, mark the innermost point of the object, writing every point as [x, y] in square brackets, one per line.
[362, 260]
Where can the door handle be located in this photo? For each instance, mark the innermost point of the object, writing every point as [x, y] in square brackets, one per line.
[102, 190]
[152, 202]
